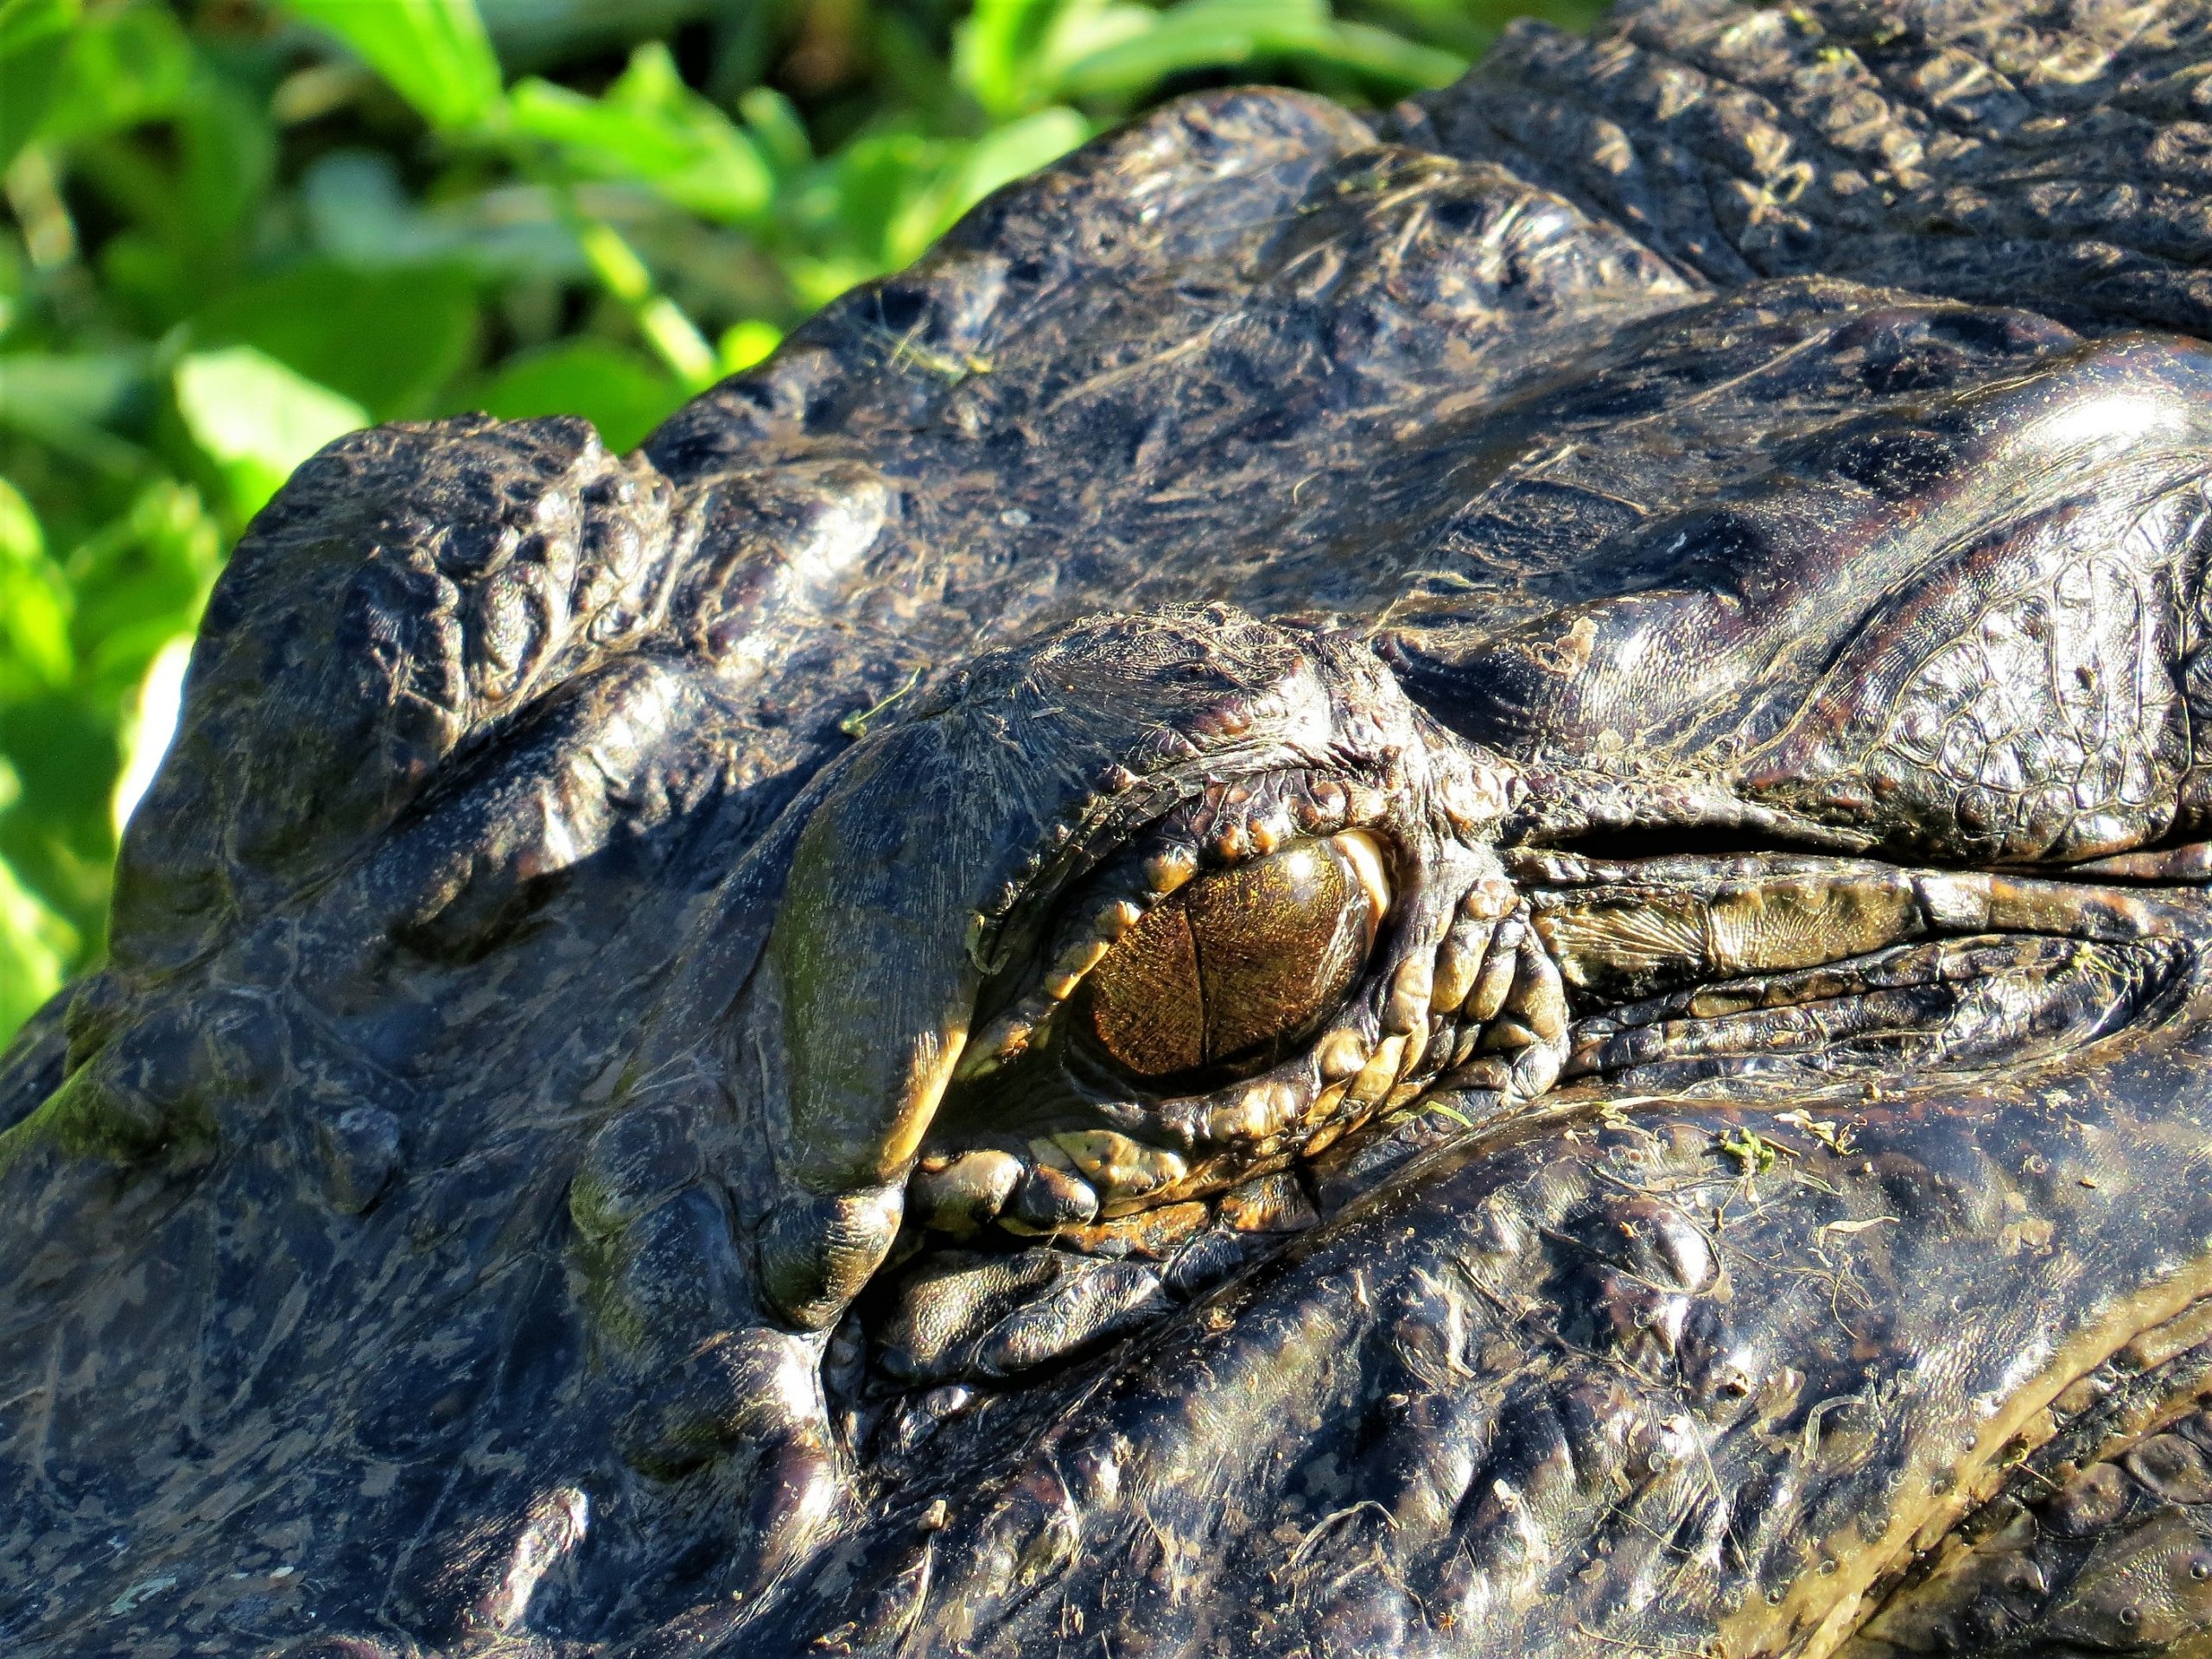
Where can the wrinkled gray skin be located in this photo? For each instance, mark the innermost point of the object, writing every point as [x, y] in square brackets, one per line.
[585, 1144]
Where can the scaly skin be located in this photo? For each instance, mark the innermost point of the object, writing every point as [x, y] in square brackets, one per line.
[1431, 887]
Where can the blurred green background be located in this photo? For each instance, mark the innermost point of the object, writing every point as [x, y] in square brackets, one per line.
[237, 230]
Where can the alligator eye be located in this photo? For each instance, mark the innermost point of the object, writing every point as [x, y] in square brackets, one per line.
[1235, 967]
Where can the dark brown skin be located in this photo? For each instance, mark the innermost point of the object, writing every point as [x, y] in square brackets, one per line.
[1431, 887]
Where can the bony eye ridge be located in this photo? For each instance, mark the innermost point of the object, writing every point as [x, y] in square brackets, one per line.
[1235, 968]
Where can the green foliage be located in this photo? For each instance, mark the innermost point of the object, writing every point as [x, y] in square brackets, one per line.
[236, 230]
[648, 126]
[34, 41]
[255, 419]
[436, 54]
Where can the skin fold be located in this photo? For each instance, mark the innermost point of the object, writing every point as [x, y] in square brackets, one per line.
[1418, 885]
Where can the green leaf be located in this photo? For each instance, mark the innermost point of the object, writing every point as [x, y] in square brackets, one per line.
[35, 602]
[58, 836]
[359, 215]
[817, 281]
[1200, 34]
[34, 40]
[25, 23]
[1000, 156]
[68, 400]
[256, 419]
[775, 126]
[37, 388]
[435, 54]
[1379, 56]
[188, 192]
[1008, 55]
[1010, 152]
[407, 333]
[744, 344]
[125, 66]
[994, 48]
[37, 947]
[140, 580]
[229, 156]
[882, 185]
[1214, 35]
[1463, 27]
[650, 129]
[619, 392]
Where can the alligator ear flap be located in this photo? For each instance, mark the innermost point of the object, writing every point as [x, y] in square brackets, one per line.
[865, 991]
[856, 1008]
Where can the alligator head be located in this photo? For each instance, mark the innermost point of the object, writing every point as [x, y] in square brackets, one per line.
[1411, 887]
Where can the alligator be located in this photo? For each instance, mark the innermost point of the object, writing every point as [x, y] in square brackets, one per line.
[1429, 883]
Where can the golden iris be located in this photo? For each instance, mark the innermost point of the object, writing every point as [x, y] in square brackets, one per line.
[1236, 967]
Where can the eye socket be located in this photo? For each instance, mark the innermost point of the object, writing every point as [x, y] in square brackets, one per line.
[1236, 967]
